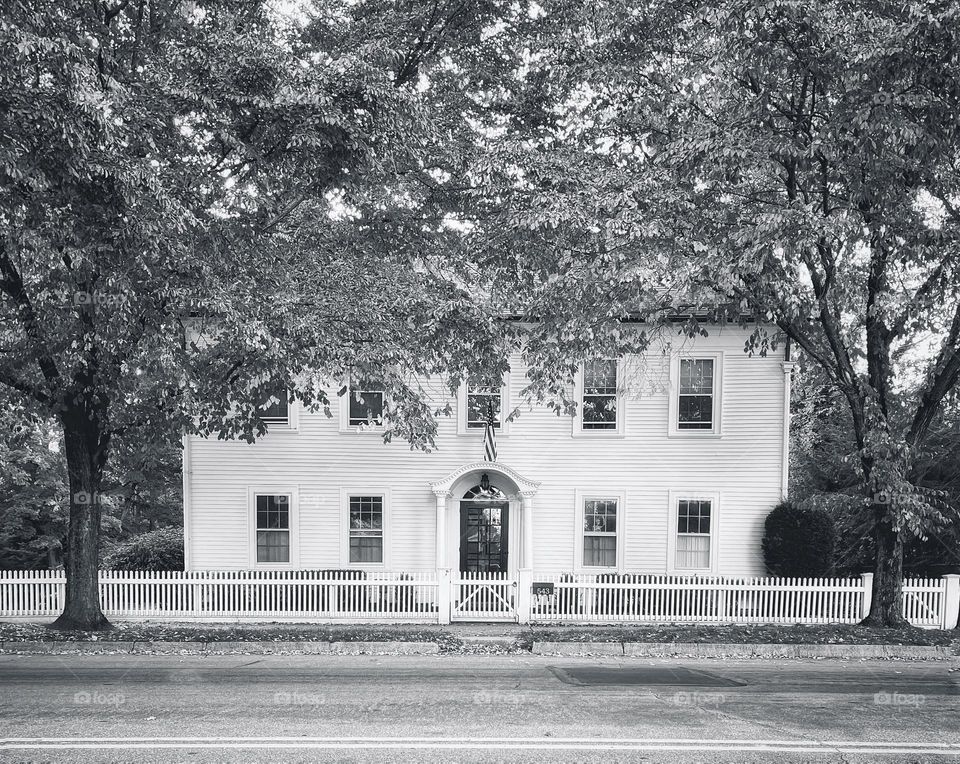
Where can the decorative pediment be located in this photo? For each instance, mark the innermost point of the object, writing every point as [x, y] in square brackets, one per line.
[523, 486]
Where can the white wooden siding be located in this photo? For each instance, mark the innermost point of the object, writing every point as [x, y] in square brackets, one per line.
[645, 463]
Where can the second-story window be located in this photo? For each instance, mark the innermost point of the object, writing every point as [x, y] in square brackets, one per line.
[276, 407]
[366, 404]
[481, 402]
[695, 407]
[599, 395]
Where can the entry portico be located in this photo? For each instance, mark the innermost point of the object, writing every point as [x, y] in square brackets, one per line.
[455, 493]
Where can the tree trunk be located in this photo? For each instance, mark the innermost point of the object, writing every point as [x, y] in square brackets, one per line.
[886, 608]
[85, 455]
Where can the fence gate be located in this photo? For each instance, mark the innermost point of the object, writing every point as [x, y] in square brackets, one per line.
[484, 597]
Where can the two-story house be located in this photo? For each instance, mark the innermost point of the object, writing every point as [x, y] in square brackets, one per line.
[670, 465]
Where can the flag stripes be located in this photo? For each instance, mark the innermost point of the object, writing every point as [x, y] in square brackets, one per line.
[490, 438]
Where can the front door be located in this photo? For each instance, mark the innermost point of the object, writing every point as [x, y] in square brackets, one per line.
[484, 536]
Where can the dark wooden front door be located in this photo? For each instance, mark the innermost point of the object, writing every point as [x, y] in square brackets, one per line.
[483, 536]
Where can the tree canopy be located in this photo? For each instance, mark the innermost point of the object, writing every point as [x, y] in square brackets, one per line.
[174, 168]
[791, 163]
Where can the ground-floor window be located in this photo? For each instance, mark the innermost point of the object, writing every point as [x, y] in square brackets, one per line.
[694, 517]
[366, 529]
[273, 528]
[600, 533]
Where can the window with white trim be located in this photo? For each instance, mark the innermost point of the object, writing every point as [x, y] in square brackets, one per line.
[273, 527]
[276, 408]
[366, 529]
[481, 401]
[599, 395]
[695, 402]
[600, 533]
[366, 404]
[694, 517]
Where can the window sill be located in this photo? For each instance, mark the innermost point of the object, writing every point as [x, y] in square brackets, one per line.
[282, 428]
[599, 434]
[359, 429]
[478, 433]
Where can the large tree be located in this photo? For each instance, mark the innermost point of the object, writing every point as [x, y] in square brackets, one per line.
[796, 160]
[176, 169]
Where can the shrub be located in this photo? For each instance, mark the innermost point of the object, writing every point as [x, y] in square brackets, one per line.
[161, 549]
[799, 541]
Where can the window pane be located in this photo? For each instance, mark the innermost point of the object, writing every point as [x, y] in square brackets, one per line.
[696, 376]
[276, 408]
[600, 551]
[695, 412]
[366, 549]
[600, 516]
[600, 377]
[273, 546]
[366, 406]
[366, 513]
[693, 552]
[693, 516]
[273, 511]
[479, 402]
[599, 412]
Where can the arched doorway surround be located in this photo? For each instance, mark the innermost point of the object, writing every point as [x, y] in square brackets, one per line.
[520, 493]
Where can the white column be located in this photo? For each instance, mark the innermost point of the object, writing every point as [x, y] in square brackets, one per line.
[441, 529]
[527, 530]
[788, 367]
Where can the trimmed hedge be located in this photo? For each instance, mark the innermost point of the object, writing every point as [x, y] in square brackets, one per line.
[799, 542]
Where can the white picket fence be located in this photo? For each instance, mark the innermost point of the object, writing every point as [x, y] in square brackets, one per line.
[682, 599]
[332, 596]
[441, 596]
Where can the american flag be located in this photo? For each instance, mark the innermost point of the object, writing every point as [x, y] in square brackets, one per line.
[490, 437]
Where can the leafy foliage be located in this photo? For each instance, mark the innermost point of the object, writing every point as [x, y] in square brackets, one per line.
[161, 549]
[792, 163]
[33, 493]
[199, 201]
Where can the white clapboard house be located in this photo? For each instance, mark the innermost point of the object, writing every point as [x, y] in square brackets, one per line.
[670, 466]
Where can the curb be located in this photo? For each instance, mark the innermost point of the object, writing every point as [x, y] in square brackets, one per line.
[214, 648]
[722, 650]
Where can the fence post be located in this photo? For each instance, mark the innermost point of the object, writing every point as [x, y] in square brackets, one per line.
[867, 579]
[951, 601]
[525, 594]
[444, 595]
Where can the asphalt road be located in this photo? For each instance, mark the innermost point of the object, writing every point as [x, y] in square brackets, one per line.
[129, 708]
